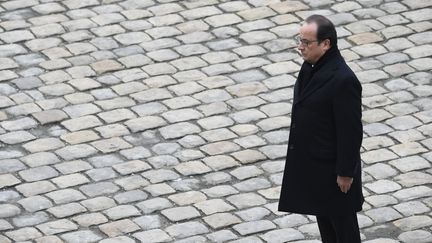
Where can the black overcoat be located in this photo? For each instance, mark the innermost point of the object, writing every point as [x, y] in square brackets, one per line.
[324, 141]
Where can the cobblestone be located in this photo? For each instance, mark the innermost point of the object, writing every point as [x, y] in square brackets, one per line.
[186, 229]
[163, 121]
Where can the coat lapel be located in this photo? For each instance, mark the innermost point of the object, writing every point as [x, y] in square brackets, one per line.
[318, 80]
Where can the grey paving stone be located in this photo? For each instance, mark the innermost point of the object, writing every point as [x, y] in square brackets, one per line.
[119, 239]
[43, 144]
[119, 227]
[219, 191]
[213, 108]
[8, 180]
[131, 167]
[273, 166]
[248, 156]
[110, 145]
[253, 214]
[189, 154]
[252, 239]
[38, 173]
[80, 137]
[383, 186]
[420, 64]
[180, 115]
[379, 155]
[157, 176]
[180, 213]
[202, 58]
[192, 168]
[130, 196]
[411, 208]
[245, 200]
[159, 189]
[155, 204]
[72, 166]
[9, 210]
[185, 185]
[219, 148]
[254, 227]
[415, 236]
[220, 220]
[76, 151]
[413, 222]
[132, 182]
[50, 116]
[222, 235]
[57, 226]
[99, 188]
[412, 193]
[273, 151]
[100, 174]
[407, 136]
[11, 165]
[179, 130]
[98, 203]
[19, 124]
[282, 235]
[81, 236]
[113, 130]
[214, 122]
[66, 210]
[30, 219]
[252, 184]
[23, 234]
[35, 203]
[408, 148]
[48, 238]
[213, 206]
[35, 188]
[375, 129]
[186, 229]
[148, 222]
[292, 220]
[9, 195]
[181, 102]
[166, 148]
[245, 102]
[4, 225]
[81, 123]
[11, 154]
[380, 171]
[220, 162]
[90, 219]
[122, 211]
[154, 235]
[217, 178]
[413, 179]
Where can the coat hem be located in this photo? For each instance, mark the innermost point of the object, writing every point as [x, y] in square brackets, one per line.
[319, 212]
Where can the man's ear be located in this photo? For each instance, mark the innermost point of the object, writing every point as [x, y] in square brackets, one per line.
[327, 44]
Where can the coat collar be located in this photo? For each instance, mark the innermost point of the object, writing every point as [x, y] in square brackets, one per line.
[323, 71]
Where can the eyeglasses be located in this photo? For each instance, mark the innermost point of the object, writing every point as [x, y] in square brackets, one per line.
[304, 42]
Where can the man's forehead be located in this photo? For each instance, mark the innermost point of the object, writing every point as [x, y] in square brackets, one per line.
[309, 29]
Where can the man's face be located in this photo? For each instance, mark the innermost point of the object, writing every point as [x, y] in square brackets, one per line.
[309, 47]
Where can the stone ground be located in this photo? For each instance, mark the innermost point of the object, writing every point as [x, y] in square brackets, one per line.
[167, 121]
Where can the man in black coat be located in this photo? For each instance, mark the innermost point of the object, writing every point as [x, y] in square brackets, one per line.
[322, 174]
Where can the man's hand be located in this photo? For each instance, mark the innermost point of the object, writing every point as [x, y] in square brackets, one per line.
[344, 183]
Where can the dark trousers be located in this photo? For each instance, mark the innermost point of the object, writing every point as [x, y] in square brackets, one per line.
[339, 229]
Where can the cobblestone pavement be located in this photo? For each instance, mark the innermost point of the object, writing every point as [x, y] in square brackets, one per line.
[167, 121]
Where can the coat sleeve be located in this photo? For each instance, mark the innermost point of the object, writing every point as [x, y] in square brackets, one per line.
[349, 130]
